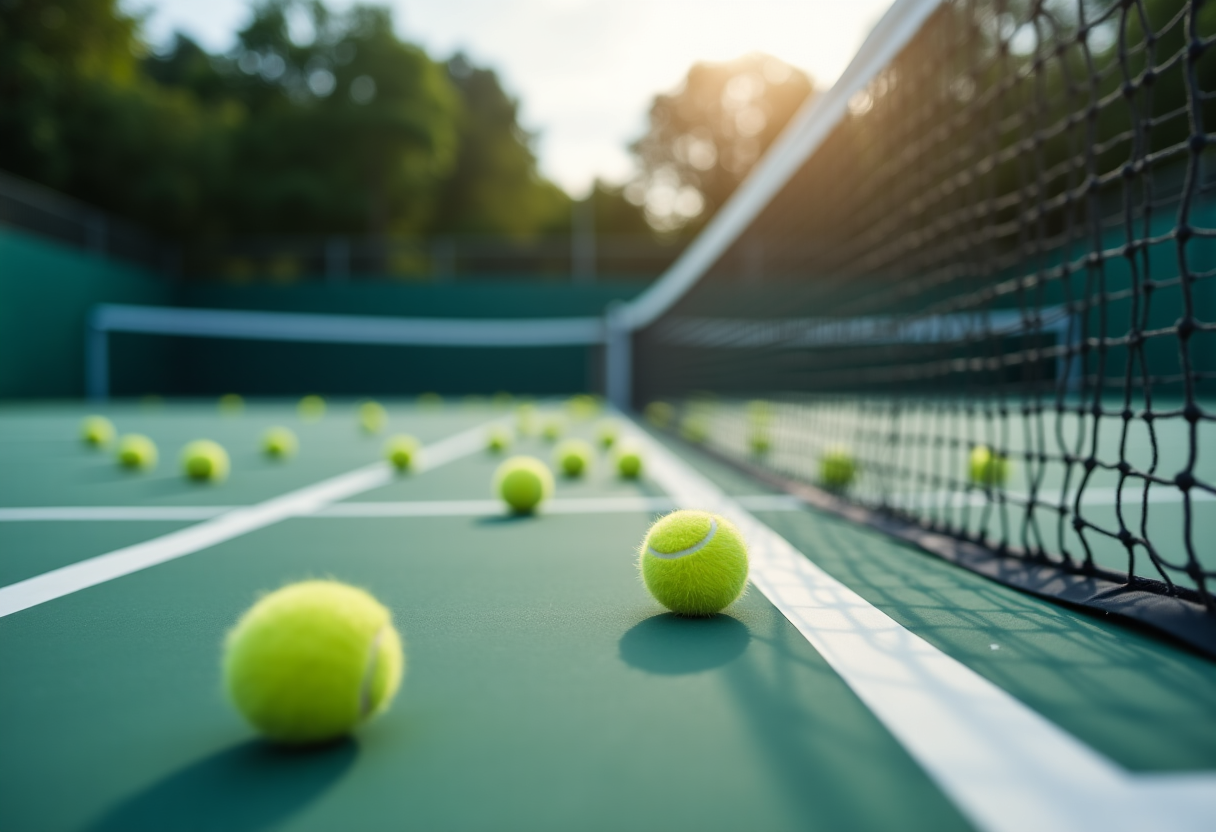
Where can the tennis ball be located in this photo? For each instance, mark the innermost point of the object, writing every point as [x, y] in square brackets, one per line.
[310, 662]
[502, 400]
[693, 562]
[525, 419]
[137, 452]
[403, 452]
[607, 432]
[372, 417]
[660, 414]
[430, 401]
[759, 441]
[203, 459]
[231, 404]
[523, 482]
[837, 469]
[97, 431]
[988, 468]
[574, 457]
[629, 463]
[694, 428]
[311, 408]
[553, 428]
[759, 412]
[582, 407]
[498, 439]
[280, 443]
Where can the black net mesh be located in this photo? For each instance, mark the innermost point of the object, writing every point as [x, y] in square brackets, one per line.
[986, 302]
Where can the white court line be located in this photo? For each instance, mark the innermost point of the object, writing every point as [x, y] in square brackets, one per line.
[77, 576]
[417, 508]
[1003, 764]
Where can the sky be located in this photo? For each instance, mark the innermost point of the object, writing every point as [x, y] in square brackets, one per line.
[584, 71]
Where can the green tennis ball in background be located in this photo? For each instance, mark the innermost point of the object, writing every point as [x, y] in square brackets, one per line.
[694, 428]
[574, 457]
[523, 483]
[97, 431]
[403, 452]
[660, 414]
[501, 400]
[582, 407]
[759, 412]
[231, 404]
[525, 419]
[693, 562]
[205, 461]
[629, 462]
[137, 452]
[498, 439]
[607, 432]
[310, 662]
[553, 428]
[988, 468]
[372, 417]
[430, 401]
[280, 443]
[837, 468]
[311, 408]
[759, 441]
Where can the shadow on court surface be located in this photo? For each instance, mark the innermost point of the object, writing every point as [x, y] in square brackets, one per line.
[671, 644]
[251, 786]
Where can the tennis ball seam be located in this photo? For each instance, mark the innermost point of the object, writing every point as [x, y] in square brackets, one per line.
[691, 550]
[369, 675]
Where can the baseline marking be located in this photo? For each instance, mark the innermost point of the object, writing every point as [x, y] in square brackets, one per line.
[77, 576]
[1002, 763]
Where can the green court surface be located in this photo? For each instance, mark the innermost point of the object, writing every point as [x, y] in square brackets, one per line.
[545, 689]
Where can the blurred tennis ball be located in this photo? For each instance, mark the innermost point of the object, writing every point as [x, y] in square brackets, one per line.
[988, 468]
[582, 407]
[137, 452]
[523, 483]
[526, 419]
[695, 428]
[372, 417]
[231, 404]
[660, 414]
[574, 457]
[498, 439]
[629, 462]
[606, 432]
[403, 452]
[205, 461]
[430, 401]
[311, 408]
[97, 431]
[759, 441]
[837, 468]
[552, 428]
[280, 443]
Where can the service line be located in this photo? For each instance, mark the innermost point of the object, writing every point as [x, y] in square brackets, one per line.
[1003, 764]
[84, 574]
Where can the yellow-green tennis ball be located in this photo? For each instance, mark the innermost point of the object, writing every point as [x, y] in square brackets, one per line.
[403, 452]
[574, 457]
[694, 428]
[837, 468]
[430, 401]
[582, 407]
[231, 404]
[372, 417]
[759, 412]
[205, 460]
[629, 463]
[280, 443]
[607, 432]
[137, 452]
[498, 439]
[310, 662]
[759, 441]
[525, 419]
[660, 414]
[311, 408]
[552, 429]
[693, 562]
[97, 431]
[523, 482]
[988, 468]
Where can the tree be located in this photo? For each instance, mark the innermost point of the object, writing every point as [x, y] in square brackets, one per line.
[704, 137]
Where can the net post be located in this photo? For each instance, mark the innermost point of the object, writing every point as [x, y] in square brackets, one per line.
[96, 359]
[618, 356]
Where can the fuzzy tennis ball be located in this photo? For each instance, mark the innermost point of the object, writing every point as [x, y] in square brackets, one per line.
[525, 419]
[523, 482]
[629, 463]
[695, 428]
[759, 441]
[693, 562]
[97, 431]
[582, 407]
[553, 428]
[372, 417]
[280, 443]
[606, 432]
[988, 468]
[205, 460]
[311, 408]
[403, 452]
[231, 404]
[137, 452]
[498, 439]
[310, 662]
[574, 457]
[837, 468]
[660, 414]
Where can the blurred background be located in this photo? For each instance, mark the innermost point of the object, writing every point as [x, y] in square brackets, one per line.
[352, 158]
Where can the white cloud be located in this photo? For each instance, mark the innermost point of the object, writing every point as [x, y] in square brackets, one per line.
[585, 71]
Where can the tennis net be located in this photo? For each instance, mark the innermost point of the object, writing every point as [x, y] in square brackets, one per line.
[979, 278]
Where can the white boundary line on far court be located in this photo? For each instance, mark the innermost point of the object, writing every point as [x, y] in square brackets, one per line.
[413, 508]
[84, 574]
[1003, 764]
